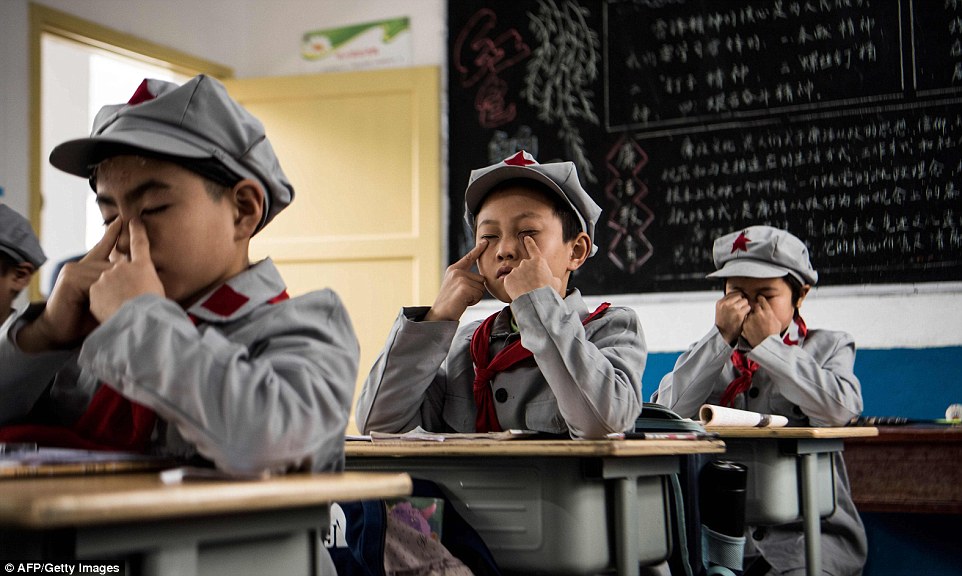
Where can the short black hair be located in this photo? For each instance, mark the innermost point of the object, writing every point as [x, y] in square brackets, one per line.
[7, 263]
[570, 225]
[796, 286]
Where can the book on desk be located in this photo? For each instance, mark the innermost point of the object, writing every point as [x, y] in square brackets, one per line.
[26, 460]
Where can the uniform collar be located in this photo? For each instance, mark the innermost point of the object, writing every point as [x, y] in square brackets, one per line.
[574, 302]
[240, 295]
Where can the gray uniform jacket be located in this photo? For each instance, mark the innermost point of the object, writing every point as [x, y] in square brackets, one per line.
[583, 380]
[253, 386]
[812, 384]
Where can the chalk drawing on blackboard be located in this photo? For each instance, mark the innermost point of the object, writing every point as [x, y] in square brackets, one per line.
[503, 145]
[480, 55]
[839, 121]
[564, 64]
[628, 215]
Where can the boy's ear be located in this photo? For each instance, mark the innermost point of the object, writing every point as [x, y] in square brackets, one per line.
[802, 294]
[248, 198]
[580, 250]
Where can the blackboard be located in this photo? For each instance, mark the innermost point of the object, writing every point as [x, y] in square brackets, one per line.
[839, 120]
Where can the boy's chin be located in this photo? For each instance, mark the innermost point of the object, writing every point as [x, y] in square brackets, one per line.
[501, 295]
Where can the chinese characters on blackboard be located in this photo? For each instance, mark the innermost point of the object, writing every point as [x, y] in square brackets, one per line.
[837, 119]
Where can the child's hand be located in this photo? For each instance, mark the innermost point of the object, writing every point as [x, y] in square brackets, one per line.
[460, 287]
[126, 279]
[66, 319]
[532, 273]
[730, 314]
[761, 323]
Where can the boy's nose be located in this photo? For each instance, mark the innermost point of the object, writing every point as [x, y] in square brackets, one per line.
[122, 248]
[512, 248]
[508, 248]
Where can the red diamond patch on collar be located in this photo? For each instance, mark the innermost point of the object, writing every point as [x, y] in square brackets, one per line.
[225, 301]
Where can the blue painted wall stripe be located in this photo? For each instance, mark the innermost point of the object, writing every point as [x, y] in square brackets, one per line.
[909, 382]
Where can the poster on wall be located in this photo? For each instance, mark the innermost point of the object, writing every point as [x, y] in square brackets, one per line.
[379, 44]
[691, 119]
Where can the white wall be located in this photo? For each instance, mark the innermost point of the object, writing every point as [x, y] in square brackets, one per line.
[262, 38]
[14, 105]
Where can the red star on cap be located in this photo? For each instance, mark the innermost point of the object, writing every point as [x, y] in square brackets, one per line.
[740, 243]
[141, 95]
[519, 160]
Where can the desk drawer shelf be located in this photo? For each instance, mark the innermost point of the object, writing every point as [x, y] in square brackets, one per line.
[541, 515]
[773, 486]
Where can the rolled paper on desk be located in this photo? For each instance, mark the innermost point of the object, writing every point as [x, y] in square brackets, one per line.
[712, 415]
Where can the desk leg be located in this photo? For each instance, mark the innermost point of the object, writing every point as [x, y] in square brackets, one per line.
[813, 528]
[627, 526]
[181, 560]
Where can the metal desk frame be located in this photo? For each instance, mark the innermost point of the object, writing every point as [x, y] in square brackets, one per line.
[194, 528]
[805, 444]
[621, 464]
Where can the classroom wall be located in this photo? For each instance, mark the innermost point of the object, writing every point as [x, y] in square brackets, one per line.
[895, 326]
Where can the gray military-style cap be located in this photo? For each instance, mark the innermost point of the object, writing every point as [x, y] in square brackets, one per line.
[194, 121]
[762, 252]
[18, 240]
[561, 177]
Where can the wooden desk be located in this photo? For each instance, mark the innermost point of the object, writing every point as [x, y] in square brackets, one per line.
[551, 506]
[790, 476]
[907, 469]
[198, 527]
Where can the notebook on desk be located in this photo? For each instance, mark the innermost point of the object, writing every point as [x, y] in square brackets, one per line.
[419, 434]
[21, 460]
[657, 418]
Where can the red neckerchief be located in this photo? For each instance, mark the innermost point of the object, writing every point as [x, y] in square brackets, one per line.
[487, 417]
[111, 422]
[746, 367]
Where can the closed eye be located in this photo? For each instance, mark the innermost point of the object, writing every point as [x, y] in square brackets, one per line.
[154, 210]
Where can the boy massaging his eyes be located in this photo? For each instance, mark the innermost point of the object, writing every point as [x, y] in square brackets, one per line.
[20, 257]
[165, 338]
[545, 362]
[760, 356]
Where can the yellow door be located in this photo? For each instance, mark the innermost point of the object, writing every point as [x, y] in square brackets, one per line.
[362, 150]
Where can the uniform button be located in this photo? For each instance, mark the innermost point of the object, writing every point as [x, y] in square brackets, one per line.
[501, 395]
[758, 534]
[753, 392]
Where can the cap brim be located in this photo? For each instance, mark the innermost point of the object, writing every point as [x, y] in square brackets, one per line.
[21, 258]
[747, 268]
[78, 157]
[17, 257]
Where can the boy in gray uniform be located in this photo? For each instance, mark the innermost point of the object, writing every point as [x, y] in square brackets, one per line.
[545, 362]
[20, 257]
[760, 356]
[165, 337]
